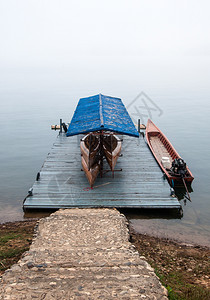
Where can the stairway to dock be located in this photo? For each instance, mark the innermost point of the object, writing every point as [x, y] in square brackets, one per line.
[82, 254]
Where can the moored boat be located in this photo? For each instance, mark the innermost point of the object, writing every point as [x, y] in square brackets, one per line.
[111, 147]
[167, 157]
[94, 146]
[100, 117]
[89, 147]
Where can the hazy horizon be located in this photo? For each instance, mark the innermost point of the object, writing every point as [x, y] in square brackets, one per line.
[120, 48]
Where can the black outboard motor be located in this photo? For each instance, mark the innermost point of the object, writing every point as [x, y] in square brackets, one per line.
[64, 127]
[179, 167]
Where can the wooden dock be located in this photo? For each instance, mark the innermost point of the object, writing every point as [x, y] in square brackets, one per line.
[62, 184]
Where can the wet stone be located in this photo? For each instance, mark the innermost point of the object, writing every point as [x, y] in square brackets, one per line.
[82, 254]
[30, 264]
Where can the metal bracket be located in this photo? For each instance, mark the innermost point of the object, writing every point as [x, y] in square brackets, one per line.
[30, 192]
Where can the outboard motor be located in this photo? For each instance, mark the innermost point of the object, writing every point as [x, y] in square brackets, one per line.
[64, 127]
[179, 167]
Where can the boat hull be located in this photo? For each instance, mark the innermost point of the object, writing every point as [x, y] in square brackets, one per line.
[112, 154]
[93, 149]
[161, 147]
[91, 173]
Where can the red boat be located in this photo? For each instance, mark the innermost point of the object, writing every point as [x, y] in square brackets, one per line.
[168, 159]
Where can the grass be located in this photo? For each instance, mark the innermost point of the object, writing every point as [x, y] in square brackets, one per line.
[183, 270]
[178, 289]
[15, 239]
[5, 238]
[10, 253]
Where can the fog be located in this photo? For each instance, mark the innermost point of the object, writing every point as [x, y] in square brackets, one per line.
[114, 47]
[53, 52]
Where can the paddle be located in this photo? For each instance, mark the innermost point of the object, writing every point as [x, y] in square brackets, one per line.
[186, 189]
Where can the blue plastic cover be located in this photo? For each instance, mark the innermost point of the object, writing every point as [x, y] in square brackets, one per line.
[99, 112]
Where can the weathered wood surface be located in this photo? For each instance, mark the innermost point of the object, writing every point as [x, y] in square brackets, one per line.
[159, 149]
[82, 254]
[62, 184]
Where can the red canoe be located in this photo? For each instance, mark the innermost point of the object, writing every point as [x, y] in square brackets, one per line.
[166, 156]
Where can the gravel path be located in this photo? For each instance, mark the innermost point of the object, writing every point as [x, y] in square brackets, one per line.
[82, 254]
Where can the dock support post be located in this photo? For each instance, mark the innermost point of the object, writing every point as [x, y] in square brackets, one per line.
[60, 125]
[139, 125]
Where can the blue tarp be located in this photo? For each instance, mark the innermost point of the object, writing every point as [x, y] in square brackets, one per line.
[101, 112]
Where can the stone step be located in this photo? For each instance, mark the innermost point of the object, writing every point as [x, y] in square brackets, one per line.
[82, 254]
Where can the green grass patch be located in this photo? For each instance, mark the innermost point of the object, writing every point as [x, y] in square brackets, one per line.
[183, 270]
[196, 293]
[15, 239]
[7, 237]
[178, 289]
[9, 253]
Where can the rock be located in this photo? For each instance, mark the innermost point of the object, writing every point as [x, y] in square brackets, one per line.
[30, 264]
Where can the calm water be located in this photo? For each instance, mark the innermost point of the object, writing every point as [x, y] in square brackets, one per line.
[29, 105]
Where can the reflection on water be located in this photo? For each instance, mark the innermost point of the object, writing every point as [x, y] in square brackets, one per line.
[182, 195]
[190, 229]
[184, 232]
[142, 214]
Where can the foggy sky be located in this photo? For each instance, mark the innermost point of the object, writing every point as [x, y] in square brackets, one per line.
[152, 42]
[52, 31]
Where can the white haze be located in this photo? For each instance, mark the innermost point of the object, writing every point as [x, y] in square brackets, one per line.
[114, 47]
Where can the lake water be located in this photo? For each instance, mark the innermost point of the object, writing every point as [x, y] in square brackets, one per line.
[31, 101]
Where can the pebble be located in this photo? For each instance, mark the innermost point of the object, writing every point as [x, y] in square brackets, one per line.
[30, 264]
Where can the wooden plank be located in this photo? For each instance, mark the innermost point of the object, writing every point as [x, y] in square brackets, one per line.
[64, 200]
[117, 204]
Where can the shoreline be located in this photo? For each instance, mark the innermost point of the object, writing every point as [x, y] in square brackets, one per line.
[159, 234]
[177, 241]
[161, 237]
[182, 268]
[131, 229]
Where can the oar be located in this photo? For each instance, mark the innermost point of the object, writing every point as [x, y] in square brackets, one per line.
[186, 189]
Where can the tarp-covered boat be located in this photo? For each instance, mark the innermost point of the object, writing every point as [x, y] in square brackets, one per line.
[101, 118]
[167, 157]
[99, 112]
